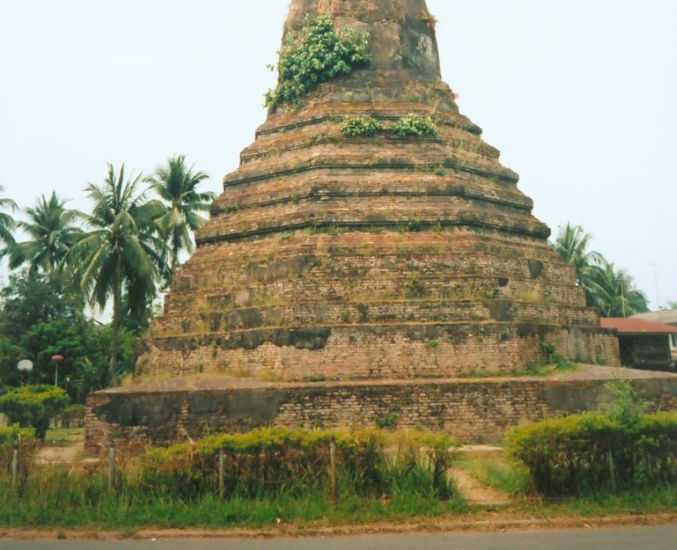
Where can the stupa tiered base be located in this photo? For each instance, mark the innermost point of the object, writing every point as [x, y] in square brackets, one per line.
[475, 410]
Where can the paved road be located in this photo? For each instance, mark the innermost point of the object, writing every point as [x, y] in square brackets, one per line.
[653, 538]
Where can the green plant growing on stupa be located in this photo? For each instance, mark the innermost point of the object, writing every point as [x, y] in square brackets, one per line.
[360, 126]
[320, 53]
[414, 126]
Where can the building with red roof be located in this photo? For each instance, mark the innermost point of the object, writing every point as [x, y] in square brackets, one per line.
[644, 344]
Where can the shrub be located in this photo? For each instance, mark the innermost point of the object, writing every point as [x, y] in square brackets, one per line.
[360, 126]
[319, 54]
[413, 125]
[595, 452]
[72, 416]
[34, 406]
[269, 462]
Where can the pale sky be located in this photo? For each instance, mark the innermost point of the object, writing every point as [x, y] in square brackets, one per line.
[579, 95]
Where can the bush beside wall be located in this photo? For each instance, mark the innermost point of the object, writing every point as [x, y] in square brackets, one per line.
[596, 452]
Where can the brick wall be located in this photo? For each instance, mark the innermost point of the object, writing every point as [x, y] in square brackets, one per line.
[473, 410]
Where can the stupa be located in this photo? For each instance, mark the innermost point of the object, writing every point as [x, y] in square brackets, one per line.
[343, 278]
[375, 257]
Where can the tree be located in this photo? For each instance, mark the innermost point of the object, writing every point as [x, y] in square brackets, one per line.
[121, 253]
[672, 305]
[34, 406]
[608, 289]
[176, 184]
[52, 231]
[613, 291]
[34, 298]
[7, 223]
[572, 245]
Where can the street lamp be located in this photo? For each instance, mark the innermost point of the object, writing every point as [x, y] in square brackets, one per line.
[57, 359]
[25, 366]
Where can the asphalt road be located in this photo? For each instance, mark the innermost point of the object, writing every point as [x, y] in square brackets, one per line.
[654, 538]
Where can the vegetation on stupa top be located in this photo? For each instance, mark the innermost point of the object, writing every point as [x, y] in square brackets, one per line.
[320, 53]
[406, 126]
[121, 252]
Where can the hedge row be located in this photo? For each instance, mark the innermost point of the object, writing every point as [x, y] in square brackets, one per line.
[597, 453]
[269, 461]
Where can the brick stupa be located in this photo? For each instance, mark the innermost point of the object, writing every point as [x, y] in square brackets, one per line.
[372, 258]
[352, 281]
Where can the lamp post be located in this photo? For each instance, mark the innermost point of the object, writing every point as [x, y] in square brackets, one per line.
[24, 368]
[57, 359]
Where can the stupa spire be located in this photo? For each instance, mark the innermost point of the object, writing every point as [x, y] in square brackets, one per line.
[403, 46]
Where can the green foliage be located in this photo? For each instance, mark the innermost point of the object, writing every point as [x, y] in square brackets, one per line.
[72, 416]
[121, 252]
[52, 232]
[508, 476]
[597, 453]
[607, 288]
[7, 223]
[24, 440]
[12, 434]
[34, 406]
[42, 315]
[177, 186]
[320, 53]
[270, 462]
[414, 126]
[30, 299]
[360, 126]
[626, 406]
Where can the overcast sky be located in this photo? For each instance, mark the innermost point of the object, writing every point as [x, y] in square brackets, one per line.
[579, 95]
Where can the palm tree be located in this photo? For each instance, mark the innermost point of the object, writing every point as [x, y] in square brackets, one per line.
[177, 184]
[121, 252]
[613, 291]
[572, 245]
[7, 223]
[53, 232]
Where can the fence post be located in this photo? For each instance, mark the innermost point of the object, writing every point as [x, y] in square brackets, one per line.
[111, 467]
[222, 472]
[612, 471]
[332, 471]
[15, 465]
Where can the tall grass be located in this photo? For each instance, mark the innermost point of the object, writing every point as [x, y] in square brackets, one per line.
[271, 476]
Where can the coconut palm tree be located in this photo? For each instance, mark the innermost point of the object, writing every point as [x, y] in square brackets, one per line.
[7, 223]
[613, 291]
[121, 252]
[52, 231]
[177, 184]
[572, 245]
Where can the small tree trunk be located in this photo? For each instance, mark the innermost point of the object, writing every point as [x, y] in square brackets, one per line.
[115, 341]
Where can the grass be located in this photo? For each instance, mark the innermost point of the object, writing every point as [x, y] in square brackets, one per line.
[130, 511]
[497, 472]
[629, 502]
[63, 437]
[72, 497]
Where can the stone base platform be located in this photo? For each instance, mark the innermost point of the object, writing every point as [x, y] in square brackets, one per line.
[475, 410]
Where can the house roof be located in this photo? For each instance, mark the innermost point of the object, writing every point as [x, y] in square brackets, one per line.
[633, 325]
[668, 316]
